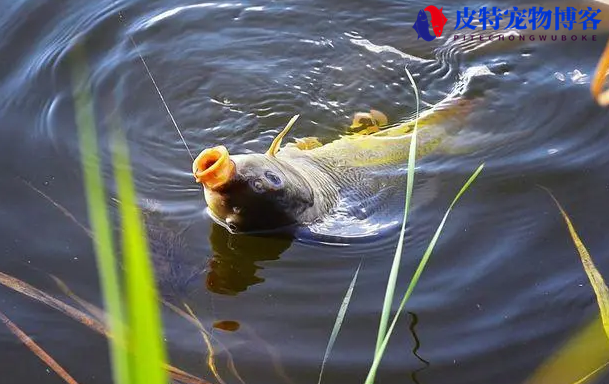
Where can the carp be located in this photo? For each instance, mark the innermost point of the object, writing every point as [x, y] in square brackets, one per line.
[303, 183]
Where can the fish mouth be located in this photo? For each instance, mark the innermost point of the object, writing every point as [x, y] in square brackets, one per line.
[213, 167]
[284, 230]
[218, 220]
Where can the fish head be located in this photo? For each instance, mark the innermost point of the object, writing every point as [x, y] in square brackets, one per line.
[421, 17]
[438, 26]
[252, 192]
[437, 30]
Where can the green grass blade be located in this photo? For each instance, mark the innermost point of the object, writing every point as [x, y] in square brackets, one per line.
[413, 282]
[98, 215]
[145, 330]
[397, 257]
[338, 322]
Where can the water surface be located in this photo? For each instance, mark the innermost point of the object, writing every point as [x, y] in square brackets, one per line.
[504, 287]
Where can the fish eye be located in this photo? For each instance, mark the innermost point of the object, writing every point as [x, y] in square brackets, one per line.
[273, 178]
[257, 185]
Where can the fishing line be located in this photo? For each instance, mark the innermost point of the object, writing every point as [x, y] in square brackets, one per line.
[175, 124]
[158, 90]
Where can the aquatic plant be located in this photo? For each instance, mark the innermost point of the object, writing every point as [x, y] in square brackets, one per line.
[132, 325]
[37, 350]
[384, 333]
[586, 353]
[137, 348]
[94, 322]
[338, 322]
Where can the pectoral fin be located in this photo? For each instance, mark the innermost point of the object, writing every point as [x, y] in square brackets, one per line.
[379, 117]
[365, 123]
[306, 143]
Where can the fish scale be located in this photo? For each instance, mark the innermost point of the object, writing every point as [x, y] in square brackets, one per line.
[359, 172]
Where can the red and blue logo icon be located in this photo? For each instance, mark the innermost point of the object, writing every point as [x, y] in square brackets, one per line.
[438, 20]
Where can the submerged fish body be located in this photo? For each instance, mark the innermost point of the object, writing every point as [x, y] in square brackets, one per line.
[293, 187]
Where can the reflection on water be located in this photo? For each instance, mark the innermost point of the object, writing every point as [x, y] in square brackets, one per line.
[232, 267]
[414, 320]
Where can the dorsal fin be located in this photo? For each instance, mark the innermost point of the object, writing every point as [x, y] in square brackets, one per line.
[274, 148]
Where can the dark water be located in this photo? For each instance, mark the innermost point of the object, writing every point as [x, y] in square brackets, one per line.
[504, 287]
